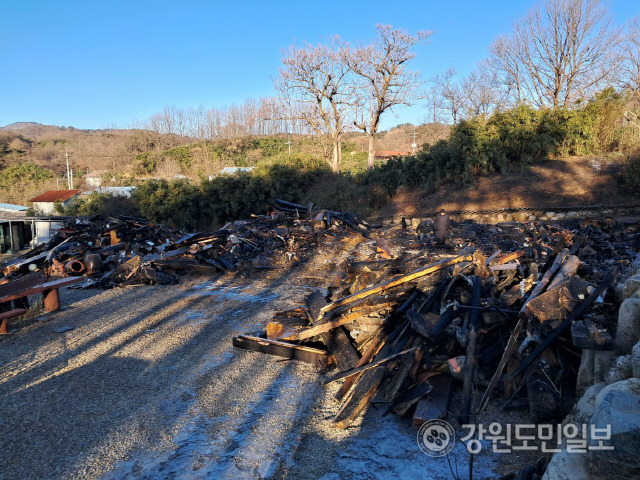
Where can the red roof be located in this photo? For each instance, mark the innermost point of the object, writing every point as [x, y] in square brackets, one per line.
[390, 153]
[55, 195]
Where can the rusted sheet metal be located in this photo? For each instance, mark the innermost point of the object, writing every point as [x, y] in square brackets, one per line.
[54, 284]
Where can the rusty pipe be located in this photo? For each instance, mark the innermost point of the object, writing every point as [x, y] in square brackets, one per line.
[74, 267]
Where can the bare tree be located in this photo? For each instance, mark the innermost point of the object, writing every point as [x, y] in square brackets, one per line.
[506, 69]
[316, 86]
[561, 52]
[384, 78]
[434, 106]
[451, 95]
[479, 95]
[630, 71]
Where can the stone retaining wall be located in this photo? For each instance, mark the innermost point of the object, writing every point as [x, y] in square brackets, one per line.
[525, 216]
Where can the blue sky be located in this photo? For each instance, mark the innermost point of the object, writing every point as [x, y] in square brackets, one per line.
[108, 63]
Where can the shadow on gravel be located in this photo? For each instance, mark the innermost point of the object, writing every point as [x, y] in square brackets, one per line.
[100, 397]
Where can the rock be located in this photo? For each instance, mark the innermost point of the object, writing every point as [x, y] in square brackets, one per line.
[628, 332]
[620, 370]
[567, 466]
[635, 360]
[618, 408]
[521, 217]
[631, 287]
[594, 367]
[635, 367]
[586, 406]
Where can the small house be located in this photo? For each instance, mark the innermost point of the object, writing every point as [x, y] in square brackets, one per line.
[44, 203]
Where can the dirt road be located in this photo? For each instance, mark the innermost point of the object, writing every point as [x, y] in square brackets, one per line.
[147, 385]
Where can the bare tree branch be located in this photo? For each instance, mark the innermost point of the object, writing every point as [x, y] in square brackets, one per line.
[561, 52]
[384, 78]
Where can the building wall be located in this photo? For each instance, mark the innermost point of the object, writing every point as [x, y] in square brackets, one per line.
[47, 208]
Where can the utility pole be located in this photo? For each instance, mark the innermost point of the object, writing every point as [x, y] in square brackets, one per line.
[414, 144]
[288, 142]
[66, 153]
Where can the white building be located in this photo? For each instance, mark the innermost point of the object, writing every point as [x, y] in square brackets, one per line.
[44, 203]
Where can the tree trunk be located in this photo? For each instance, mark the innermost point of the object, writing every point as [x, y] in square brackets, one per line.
[335, 161]
[372, 153]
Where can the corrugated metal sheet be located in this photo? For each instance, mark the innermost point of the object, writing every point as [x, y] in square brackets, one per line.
[55, 195]
[7, 207]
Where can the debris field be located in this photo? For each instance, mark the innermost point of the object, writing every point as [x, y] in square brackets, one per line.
[488, 313]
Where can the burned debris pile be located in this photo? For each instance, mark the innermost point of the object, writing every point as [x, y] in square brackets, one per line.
[128, 251]
[497, 316]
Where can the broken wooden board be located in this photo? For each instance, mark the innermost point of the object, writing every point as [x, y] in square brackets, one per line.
[518, 291]
[359, 396]
[314, 356]
[281, 331]
[544, 281]
[374, 347]
[399, 376]
[372, 379]
[574, 315]
[558, 302]
[328, 326]
[585, 334]
[335, 339]
[436, 404]
[377, 289]
[406, 399]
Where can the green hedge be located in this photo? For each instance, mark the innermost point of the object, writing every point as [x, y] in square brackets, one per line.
[507, 141]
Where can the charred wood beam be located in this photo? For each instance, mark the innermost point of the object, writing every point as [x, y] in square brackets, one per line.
[574, 315]
[314, 356]
[377, 289]
[542, 284]
[472, 353]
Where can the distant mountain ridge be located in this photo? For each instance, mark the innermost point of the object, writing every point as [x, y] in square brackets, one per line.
[35, 128]
[19, 125]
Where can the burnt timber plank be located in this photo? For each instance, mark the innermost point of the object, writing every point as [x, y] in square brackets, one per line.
[574, 315]
[335, 340]
[289, 351]
[472, 353]
[369, 383]
[374, 347]
[376, 289]
[436, 404]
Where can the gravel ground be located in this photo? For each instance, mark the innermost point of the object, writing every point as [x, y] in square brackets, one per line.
[147, 385]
